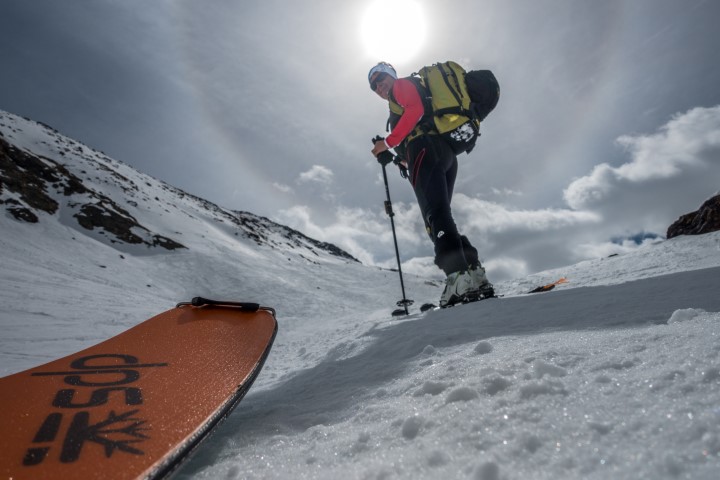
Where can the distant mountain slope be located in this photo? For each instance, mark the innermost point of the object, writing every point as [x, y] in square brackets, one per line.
[45, 175]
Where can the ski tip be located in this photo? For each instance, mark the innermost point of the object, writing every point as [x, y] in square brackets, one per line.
[549, 286]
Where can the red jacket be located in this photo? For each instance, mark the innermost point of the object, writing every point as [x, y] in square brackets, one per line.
[407, 96]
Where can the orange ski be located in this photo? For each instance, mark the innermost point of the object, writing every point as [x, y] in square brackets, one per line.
[134, 406]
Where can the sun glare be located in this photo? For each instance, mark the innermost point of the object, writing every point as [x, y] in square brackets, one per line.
[393, 30]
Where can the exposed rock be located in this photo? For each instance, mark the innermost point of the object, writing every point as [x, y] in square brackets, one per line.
[27, 176]
[23, 214]
[33, 181]
[111, 218]
[705, 220]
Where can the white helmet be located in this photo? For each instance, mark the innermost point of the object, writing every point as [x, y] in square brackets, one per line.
[383, 67]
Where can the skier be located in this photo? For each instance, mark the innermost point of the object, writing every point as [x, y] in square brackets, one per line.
[432, 168]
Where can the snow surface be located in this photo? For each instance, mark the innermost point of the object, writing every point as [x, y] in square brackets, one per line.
[615, 374]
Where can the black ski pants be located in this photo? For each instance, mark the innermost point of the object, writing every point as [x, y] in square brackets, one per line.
[432, 168]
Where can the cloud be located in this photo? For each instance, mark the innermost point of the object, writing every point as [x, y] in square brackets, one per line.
[499, 232]
[505, 192]
[485, 216]
[365, 234]
[667, 174]
[282, 187]
[687, 149]
[318, 174]
[421, 266]
[514, 242]
[505, 267]
[355, 230]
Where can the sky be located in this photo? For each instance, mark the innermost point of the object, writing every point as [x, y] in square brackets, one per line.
[607, 130]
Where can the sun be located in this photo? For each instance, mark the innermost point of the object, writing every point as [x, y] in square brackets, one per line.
[393, 30]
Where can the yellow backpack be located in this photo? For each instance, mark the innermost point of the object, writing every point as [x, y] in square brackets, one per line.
[452, 110]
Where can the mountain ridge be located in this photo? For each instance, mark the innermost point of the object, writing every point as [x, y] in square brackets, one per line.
[45, 173]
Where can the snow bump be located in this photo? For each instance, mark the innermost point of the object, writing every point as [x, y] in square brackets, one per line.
[685, 315]
[411, 427]
[431, 388]
[462, 394]
[483, 348]
[542, 369]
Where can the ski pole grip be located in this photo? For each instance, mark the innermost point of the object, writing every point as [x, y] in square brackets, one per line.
[385, 157]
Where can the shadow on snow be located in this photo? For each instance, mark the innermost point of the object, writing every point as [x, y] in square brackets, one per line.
[328, 393]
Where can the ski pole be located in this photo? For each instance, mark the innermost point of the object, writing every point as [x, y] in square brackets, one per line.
[384, 158]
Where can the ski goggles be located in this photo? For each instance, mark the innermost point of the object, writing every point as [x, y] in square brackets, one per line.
[379, 78]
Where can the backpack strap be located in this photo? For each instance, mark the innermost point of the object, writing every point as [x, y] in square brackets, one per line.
[426, 123]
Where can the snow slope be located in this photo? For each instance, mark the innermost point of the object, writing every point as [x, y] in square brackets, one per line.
[617, 380]
[615, 374]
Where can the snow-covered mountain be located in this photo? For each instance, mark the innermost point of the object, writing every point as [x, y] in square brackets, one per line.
[47, 176]
[614, 374]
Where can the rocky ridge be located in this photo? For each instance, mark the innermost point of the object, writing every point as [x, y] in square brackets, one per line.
[706, 219]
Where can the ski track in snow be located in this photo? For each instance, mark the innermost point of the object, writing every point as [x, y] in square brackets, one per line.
[615, 374]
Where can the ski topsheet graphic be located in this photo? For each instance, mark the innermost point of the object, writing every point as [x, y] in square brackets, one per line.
[135, 405]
